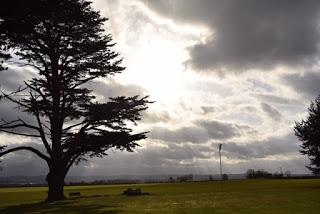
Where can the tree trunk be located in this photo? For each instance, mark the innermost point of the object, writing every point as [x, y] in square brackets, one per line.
[55, 185]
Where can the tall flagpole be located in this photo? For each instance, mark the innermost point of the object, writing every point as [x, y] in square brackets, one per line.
[220, 145]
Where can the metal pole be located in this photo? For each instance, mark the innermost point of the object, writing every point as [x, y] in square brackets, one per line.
[220, 145]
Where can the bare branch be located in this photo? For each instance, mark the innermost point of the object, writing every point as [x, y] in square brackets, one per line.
[8, 96]
[17, 123]
[28, 148]
[71, 161]
[73, 126]
[21, 134]
[20, 123]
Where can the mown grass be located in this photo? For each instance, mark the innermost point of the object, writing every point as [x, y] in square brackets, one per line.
[245, 196]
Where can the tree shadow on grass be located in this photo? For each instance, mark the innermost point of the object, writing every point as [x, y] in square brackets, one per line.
[64, 207]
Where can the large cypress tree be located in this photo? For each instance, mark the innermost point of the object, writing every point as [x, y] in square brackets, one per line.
[64, 41]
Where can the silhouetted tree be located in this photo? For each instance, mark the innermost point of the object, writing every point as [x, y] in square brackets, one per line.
[225, 177]
[260, 173]
[3, 57]
[308, 132]
[287, 173]
[64, 41]
[278, 174]
[250, 173]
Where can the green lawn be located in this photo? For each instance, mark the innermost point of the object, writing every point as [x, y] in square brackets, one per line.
[245, 196]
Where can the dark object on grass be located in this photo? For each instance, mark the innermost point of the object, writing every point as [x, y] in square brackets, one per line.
[134, 192]
[74, 194]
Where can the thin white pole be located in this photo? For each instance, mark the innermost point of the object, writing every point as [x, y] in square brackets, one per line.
[220, 145]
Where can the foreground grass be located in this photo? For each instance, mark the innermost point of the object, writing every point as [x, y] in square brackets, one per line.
[245, 196]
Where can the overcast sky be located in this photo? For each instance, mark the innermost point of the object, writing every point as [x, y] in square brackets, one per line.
[236, 72]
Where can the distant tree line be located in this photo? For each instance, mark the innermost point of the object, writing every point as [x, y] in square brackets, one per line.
[185, 178]
[261, 173]
[102, 181]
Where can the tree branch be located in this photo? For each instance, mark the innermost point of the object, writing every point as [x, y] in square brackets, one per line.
[71, 161]
[28, 148]
[40, 129]
[14, 124]
[8, 96]
[73, 126]
[22, 134]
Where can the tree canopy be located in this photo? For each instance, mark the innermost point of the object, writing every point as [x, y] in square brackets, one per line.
[308, 132]
[63, 41]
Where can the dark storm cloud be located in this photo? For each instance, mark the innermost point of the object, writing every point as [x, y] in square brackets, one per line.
[307, 83]
[11, 79]
[111, 88]
[154, 117]
[172, 158]
[295, 165]
[185, 134]
[258, 85]
[10, 112]
[270, 98]
[223, 130]
[262, 149]
[201, 132]
[271, 111]
[174, 152]
[164, 157]
[23, 162]
[248, 34]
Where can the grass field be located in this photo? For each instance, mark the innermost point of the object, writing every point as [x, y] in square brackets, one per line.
[245, 196]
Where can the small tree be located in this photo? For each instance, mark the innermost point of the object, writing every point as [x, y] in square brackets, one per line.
[64, 42]
[250, 173]
[287, 173]
[278, 174]
[225, 177]
[261, 173]
[210, 178]
[308, 132]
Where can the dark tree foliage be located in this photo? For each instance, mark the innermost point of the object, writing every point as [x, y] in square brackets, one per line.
[260, 173]
[308, 132]
[225, 177]
[250, 173]
[3, 55]
[64, 41]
